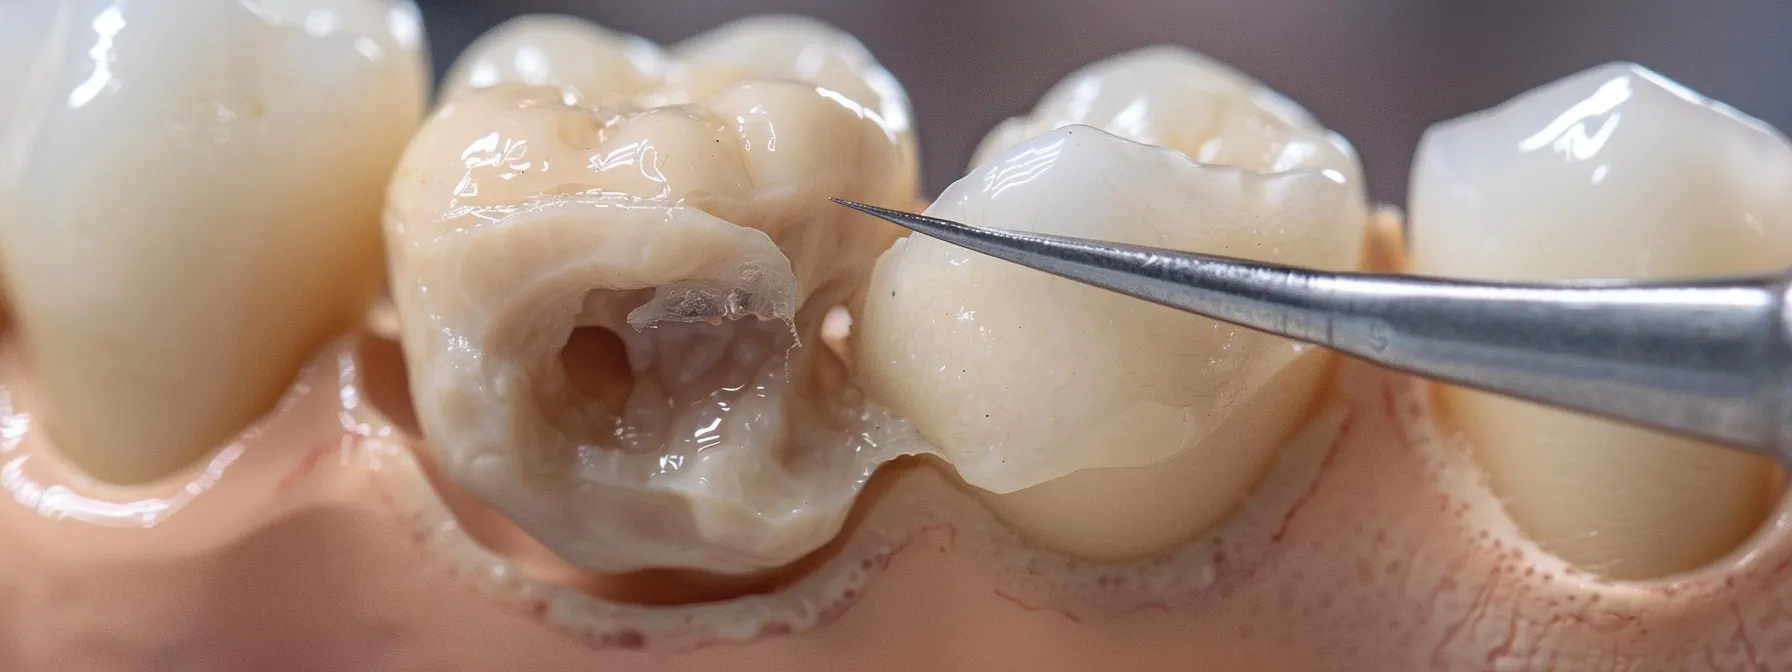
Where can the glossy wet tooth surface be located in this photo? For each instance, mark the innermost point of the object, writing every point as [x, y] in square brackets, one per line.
[1615, 172]
[612, 309]
[190, 206]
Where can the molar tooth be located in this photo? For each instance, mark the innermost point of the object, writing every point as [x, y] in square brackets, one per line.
[1106, 426]
[612, 311]
[1614, 172]
[189, 205]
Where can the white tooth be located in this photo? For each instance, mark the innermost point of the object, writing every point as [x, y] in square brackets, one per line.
[189, 205]
[1611, 173]
[1110, 427]
[1176, 98]
[1118, 426]
[806, 50]
[791, 47]
[551, 50]
[602, 304]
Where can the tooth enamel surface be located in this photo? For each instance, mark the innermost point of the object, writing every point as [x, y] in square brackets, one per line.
[1176, 98]
[1611, 173]
[550, 50]
[612, 314]
[1107, 426]
[189, 206]
[790, 47]
[606, 66]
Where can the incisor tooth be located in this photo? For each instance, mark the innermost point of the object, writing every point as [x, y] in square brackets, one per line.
[1104, 425]
[1611, 173]
[603, 303]
[189, 205]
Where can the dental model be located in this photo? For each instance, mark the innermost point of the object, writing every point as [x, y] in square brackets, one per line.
[615, 419]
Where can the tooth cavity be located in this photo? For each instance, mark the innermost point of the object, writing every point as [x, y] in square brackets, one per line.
[613, 311]
[1611, 173]
[189, 206]
[1085, 404]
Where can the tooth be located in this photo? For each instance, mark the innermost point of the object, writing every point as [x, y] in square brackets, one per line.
[550, 50]
[605, 66]
[612, 314]
[806, 50]
[1611, 173]
[1106, 426]
[190, 206]
[1176, 98]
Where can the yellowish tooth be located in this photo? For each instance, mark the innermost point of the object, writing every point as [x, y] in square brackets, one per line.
[613, 299]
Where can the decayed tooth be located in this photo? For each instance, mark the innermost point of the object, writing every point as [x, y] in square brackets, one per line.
[1611, 173]
[612, 313]
[189, 205]
[1107, 426]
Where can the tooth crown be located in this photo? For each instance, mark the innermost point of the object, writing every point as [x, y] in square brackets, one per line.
[1613, 172]
[700, 235]
[1102, 381]
[189, 205]
[553, 50]
[1172, 97]
[1615, 152]
[760, 154]
[607, 67]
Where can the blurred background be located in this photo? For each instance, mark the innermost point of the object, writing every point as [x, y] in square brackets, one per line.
[1378, 71]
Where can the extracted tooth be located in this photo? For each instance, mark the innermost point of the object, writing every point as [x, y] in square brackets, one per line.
[612, 315]
[189, 206]
[1611, 173]
[1107, 427]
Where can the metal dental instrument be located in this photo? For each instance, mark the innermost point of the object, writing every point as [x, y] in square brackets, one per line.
[1709, 359]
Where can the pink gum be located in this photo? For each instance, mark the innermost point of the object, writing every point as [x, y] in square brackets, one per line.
[1373, 545]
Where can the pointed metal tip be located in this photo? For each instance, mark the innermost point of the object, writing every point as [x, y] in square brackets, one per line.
[874, 211]
[907, 220]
